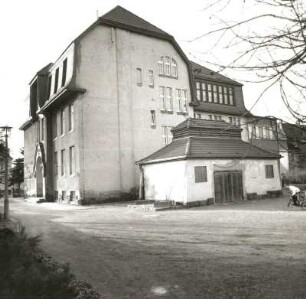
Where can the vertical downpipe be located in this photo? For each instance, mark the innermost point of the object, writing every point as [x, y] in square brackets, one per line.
[115, 40]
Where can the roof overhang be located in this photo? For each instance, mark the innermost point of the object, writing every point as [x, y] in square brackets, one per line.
[66, 94]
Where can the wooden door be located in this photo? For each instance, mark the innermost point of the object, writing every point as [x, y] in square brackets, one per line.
[228, 186]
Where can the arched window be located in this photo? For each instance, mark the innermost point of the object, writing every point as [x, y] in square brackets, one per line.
[167, 66]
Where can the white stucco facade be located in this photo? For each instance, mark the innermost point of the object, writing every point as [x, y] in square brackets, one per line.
[176, 180]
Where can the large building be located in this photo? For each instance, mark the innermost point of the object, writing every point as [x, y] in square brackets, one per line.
[110, 99]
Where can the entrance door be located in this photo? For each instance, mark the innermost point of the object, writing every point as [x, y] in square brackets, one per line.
[228, 186]
[39, 177]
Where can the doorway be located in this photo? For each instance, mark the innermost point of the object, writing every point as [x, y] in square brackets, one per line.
[39, 177]
[228, 186]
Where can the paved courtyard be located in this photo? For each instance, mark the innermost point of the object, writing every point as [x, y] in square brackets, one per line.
[254, 249]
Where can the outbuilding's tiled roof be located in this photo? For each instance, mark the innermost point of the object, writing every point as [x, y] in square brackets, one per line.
[208, 148]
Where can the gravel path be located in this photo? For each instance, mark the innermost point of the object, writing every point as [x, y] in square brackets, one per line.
[254, 249]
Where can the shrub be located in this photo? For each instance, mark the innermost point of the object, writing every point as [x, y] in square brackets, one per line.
[27, 272]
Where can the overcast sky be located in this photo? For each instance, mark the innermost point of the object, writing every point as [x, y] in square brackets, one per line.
[35, 32]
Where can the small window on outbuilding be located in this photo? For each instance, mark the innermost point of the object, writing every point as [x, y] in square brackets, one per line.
[200, 174]
[269, 172]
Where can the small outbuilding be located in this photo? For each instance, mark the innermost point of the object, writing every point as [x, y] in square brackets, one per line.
[207, 162]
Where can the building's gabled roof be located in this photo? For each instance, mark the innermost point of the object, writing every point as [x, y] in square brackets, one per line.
[208, 148]
[120, 17]
[201, 71]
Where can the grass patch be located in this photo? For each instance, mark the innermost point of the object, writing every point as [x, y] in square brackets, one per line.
[26, 272]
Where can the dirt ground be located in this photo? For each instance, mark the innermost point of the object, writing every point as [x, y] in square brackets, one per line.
[255, 249]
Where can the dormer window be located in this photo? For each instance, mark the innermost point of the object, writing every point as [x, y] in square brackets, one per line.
[167, 66]
[215, 93]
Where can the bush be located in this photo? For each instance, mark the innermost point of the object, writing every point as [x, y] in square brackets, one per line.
[27, 272]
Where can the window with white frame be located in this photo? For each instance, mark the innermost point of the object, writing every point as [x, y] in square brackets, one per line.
[169, 104]
[162, 98]
[151, 78]
[167, 134]
[139, 76]
[215, 93]
[182, 98]
[167, 66]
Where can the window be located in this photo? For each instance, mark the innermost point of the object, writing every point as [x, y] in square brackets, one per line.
[55, 164]
[49, 86]
[220, 94]
[54, 125]
[167, 66]
[264, 133]
[42, 130]
[56, 80]
[269, 172]
[210, 117]
[215, 93]
[173, 68]
[209, 92]
[250, 131]
[62, 162]
[197, 115]
[230, 120]
[151, 78]
[182, 99]
[71, 160]
[139, 76]
[64, 74]
[200, 174]
[162, 97]
[70, 117]
[62, 121]
[161, 66]
[167, 134]
[169, 104]
[153, 118]
[231, 98]
[198, 88]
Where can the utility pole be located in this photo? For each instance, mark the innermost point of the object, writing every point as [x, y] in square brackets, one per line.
[6, 130]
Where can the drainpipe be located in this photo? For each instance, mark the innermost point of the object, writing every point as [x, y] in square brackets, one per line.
[141, 183]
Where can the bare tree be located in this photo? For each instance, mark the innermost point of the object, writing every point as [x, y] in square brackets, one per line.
[270, 41]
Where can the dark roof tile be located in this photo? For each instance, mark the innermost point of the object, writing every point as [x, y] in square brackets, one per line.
[208, 148]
